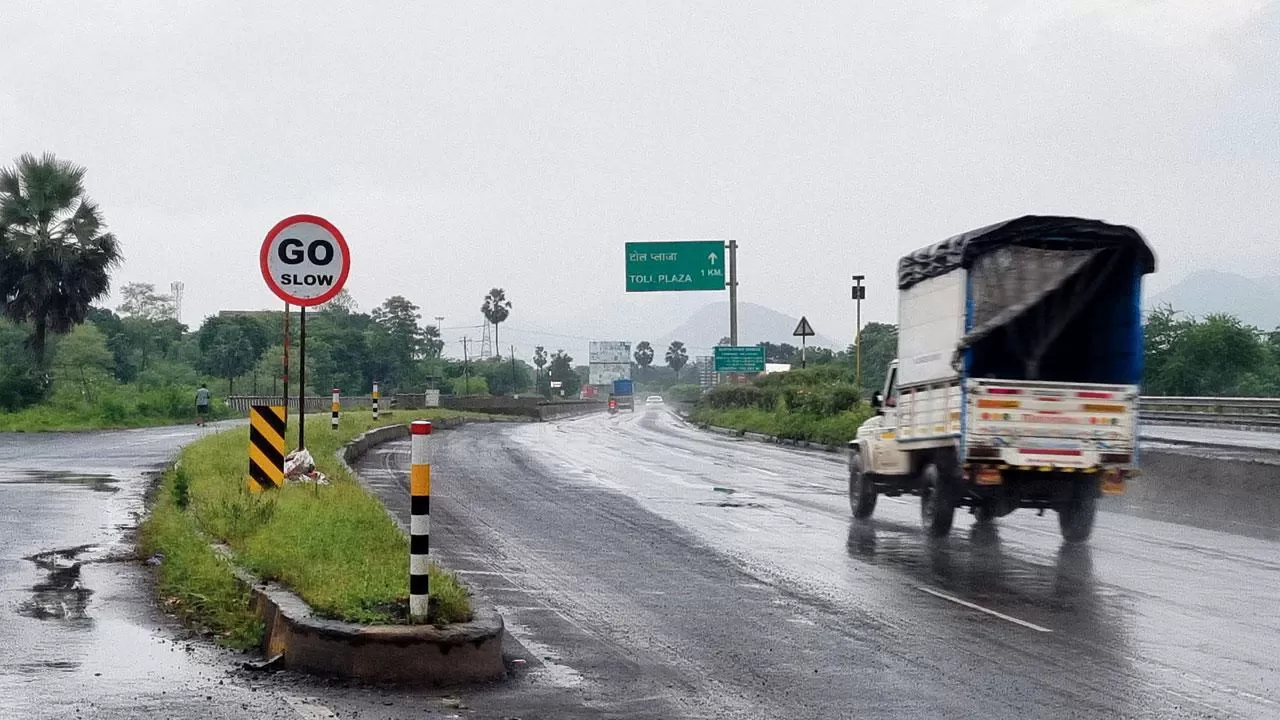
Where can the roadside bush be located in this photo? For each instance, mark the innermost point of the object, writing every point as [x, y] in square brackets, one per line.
[821, 375]
[686, 393]
[723, 397]
[823, 400]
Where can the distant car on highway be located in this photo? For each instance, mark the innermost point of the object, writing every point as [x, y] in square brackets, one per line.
[653, 400]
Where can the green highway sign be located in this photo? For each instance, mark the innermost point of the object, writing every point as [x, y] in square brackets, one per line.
[681, 265]
[740, 358]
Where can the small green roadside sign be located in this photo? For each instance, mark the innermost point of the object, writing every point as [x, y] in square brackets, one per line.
[680, 265]
[740, 358]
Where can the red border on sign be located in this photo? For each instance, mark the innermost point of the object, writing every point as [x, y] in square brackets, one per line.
[279, 291]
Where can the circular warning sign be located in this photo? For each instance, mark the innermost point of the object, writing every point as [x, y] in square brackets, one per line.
[305, 260]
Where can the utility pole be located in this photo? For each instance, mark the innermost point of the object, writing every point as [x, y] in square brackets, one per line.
[859, 293]
[733, 292]
[466, 376]
[513, 370]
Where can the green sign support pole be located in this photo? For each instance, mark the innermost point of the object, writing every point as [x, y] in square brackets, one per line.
[733, 292]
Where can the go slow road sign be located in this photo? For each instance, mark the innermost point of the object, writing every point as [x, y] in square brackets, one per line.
[305, 260]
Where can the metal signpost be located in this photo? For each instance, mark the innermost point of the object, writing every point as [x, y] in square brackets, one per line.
[305, 261]
[803, 331]
[739, 359]
[859, 294]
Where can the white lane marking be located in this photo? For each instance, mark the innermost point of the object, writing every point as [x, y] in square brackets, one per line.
[988, 611]
[309, 710]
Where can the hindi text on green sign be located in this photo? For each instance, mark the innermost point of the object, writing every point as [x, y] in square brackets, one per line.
[682, 265]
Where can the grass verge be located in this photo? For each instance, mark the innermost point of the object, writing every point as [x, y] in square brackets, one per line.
[829, 430]
[334, 545]
[108, 416]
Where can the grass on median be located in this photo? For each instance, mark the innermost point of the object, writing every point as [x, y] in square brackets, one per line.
[829, 430]
[334, 544]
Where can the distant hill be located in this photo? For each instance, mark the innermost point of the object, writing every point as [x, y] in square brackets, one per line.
[1255, 301]
[756, 324]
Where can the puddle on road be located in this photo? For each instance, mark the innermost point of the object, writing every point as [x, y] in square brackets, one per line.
[740, 501]
[61, 596]
[94, 481]
[731, 504]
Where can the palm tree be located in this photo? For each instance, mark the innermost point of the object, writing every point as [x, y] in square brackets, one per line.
[539, 359]
[496, 309]
[644, 354]
[54, 252]
[677, 356]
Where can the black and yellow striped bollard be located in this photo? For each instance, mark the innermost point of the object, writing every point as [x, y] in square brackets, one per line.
[266, 447]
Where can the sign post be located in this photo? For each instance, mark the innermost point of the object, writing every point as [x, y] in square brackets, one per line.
[305, 262]
[803, 331]
[859, 294]
[685, 265]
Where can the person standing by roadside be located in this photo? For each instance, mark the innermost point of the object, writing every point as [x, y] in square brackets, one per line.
[202, 404]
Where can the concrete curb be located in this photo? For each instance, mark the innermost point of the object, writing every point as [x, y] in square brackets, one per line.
[415, 655]
[768, 439]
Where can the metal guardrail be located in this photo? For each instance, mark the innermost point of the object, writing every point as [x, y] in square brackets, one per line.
[1252, 412]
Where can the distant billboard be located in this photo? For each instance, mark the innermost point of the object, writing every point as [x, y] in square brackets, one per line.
[611, 352]
[606, 373]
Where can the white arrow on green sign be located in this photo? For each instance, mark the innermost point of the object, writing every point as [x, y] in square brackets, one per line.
[675, 265]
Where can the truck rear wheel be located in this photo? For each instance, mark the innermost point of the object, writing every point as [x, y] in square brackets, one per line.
[862, 491]
[1076, 518]
[938, 495]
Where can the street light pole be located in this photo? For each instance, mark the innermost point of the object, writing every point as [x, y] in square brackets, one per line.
[859, 292]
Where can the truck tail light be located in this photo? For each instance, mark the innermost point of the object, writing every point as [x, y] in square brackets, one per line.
[1100, 408]
[985, 403]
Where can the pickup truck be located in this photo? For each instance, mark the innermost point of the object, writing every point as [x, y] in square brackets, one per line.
[1017, 378]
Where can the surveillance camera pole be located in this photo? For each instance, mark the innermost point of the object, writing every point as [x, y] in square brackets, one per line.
[859, 292]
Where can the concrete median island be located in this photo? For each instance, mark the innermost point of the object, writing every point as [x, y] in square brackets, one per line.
[314, 575]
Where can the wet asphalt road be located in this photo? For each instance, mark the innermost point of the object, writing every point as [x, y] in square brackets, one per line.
[634, 588]
[648, 569]
[80, 634]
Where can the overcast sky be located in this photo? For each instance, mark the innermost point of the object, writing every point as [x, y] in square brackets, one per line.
[464, 145]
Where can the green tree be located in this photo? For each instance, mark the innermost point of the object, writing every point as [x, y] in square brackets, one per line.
[496, 309]
[21, 382]
[141, 301]
[228, 353]
[561, 370]
[644, 354]
[82, 359]
[879, 348]
[677, 357]
[470, 385]
[340, 303]
[539, 358]
[395, 341]
[432, 343]
[55, 253]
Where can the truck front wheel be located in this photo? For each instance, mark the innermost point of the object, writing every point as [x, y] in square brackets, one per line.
[938, 495]
[1075, 519]
[862, 491]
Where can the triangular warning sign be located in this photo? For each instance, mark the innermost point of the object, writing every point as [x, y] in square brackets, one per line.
[804, 329]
